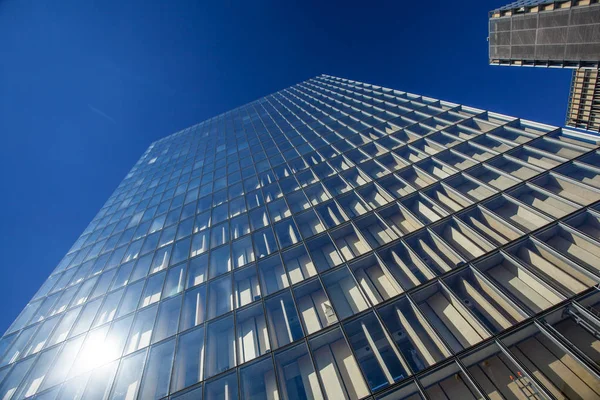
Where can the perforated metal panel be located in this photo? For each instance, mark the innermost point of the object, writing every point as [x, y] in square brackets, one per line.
[561, 36]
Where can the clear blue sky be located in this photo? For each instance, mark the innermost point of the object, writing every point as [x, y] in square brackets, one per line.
[86, 86]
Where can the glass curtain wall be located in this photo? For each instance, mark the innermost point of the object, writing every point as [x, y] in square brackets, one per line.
[334, 240]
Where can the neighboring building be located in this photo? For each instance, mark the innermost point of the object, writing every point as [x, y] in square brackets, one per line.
[546, 33]
[584, 101]
[553, 34]
[333, 240]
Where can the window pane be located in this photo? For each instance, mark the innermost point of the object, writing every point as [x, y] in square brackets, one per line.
[272, 275]
[199, 243]
[375, 279]
[109, 308]
[153, 289]
[257, 381]
[103, 283]
[62, 365]
[378, 358]
[141, 332]
[188, 366]
[122, 276]
[168, 319]
[246, 286]
[284, 326]
[297, 375]
[450, 381]
[415, 338]
[84, 292]
[158, 371]
[345, 295]
[224, 387]
[181, 251]
[220, 261]
[71, 389]
[194, 305]
[220, 298]
[175, 281]
[220, 346]
[298, 264]
[100, 381]
[16, 350]
[558, 370]
[87, 317]
[38, 372]
[87, 357]
[309, 224]
[287, 233]
[264, 242]
[14, 378]
[39, 340]
[197, 271]
[141, 268]
[131, 298]
[63, 328]
[192, 394]
[242, 252]
[115, 340]
[128, 377]
[219, 235]
[323, 252]
[279, 210]
[339, 372]
[202, 221]
[258, 218]
[252, 336]
[314, 307]
[240, 226]
[486, 364]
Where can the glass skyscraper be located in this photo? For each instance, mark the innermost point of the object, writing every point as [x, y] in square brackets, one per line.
[333, 240]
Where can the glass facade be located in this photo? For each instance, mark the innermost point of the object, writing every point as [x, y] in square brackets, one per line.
[333, 240]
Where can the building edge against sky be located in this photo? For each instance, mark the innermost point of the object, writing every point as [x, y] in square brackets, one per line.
[332, 240]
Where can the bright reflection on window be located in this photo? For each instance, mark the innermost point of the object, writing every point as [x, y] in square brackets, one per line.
[95, 353]
[102, 345]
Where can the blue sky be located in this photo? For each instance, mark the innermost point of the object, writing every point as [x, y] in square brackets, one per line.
[86, 86]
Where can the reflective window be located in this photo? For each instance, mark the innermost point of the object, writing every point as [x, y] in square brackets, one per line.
[282, 316]
[189, 361]
[258, 380]
[338, 369]
[128, 378]
[220, 346]
[167, 319]
[155, 382]
[297, 374]
[377, 355]
[194, 308]
[336, 239]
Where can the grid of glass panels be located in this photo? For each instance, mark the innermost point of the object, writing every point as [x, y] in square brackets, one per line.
[333, 240]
